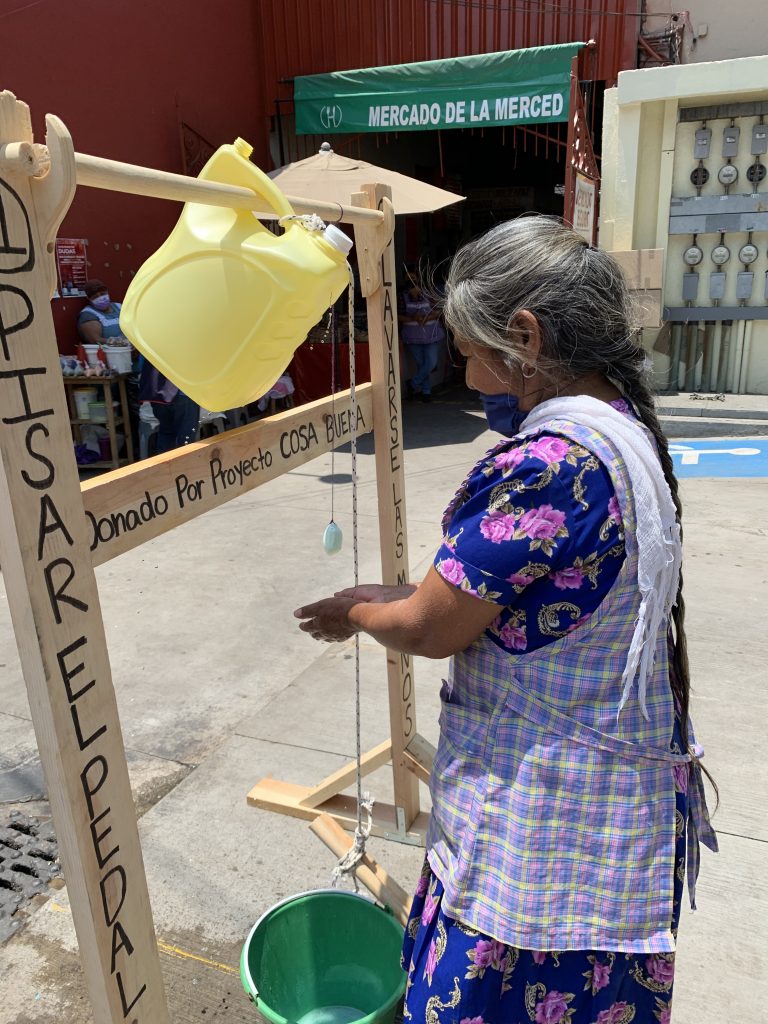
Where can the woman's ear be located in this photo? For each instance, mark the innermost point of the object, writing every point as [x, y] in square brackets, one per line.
[529, 334]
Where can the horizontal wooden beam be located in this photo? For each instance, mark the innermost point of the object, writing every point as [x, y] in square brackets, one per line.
[368, 871]
[132, 505]
[287, 798]
[345, 776]
[115, 176]
[419, 758]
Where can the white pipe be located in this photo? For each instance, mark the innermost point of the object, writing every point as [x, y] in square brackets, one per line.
[725, 356]
[745, 354]
[691, 347]
[734, 363]
[701, 340]
[717, 338]
[673, 378]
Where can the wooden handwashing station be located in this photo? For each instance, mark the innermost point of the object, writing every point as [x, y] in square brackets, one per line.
[55, 530]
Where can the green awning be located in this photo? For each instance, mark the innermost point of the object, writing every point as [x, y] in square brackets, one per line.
[512, 87]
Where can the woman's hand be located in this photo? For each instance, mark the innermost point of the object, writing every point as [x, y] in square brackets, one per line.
[378, 593]
[434, 619]
[328, 619]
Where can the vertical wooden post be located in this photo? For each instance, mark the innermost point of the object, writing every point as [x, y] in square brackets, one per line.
[377, 281]
[54, 603]
[570, 148]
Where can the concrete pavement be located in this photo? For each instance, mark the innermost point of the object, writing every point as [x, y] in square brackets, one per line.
[217, 688]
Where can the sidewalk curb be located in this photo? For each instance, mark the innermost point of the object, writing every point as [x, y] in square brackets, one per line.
[708, 411]
[693, 427]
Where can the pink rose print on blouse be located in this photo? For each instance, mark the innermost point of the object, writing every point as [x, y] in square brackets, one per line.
[549, 449]
[497, 527]
[431, 965]
[665, 1015]
[552, 1008]
[614, 512]
[513, 637]
[509, 461]
[520, 579]
[451, 570]
[539, 956]
[484, 951]
[430, 907]
[485, 954]
[471, 1020]
[499, 959]
[601, 976]
[422, 885]
[613, 1015]
[568, 579]
[541, 523]
[660, 969]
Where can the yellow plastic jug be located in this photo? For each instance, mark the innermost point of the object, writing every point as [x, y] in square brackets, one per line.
[223, 304]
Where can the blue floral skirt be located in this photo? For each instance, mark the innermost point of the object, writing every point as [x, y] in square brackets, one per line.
[459, 976]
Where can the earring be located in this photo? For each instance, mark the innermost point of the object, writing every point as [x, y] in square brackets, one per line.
[528, 376]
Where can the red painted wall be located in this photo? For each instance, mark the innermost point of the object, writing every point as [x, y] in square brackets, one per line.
[314, 36]
[121, 76]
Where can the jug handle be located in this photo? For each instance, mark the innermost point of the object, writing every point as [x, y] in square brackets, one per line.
[275, 197]
[266, 189]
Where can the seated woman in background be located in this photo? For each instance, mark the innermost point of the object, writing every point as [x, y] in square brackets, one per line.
[100, 317]
[98, 320]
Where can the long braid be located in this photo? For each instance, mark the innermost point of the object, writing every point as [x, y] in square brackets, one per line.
[630, 374]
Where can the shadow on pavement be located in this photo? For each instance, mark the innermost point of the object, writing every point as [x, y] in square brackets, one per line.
[454, 416]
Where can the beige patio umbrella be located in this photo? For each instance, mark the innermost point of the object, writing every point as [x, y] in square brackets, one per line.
[333, 178]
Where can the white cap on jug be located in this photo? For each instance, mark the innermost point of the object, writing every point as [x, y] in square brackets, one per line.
[338, 239]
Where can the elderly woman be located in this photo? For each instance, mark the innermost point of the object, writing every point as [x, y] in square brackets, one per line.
[566, 782]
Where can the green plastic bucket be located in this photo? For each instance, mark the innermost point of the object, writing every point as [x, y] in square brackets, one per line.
[324, 957]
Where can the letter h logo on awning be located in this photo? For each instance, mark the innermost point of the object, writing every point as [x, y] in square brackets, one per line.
[330, 116]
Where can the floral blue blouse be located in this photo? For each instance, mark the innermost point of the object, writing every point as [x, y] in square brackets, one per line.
[536, 528]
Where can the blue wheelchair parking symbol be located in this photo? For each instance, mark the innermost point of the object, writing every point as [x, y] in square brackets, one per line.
[734, 457]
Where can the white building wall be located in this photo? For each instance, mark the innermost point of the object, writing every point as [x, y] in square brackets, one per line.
[716, 29]
[647, 159]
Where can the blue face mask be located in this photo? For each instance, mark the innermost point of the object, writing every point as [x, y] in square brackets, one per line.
[502, 413]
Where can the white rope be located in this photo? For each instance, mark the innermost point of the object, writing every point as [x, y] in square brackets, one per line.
[311, 221]
[365, 801]
[356, 852]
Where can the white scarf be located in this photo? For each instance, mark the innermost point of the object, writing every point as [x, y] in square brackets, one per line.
[659, 544]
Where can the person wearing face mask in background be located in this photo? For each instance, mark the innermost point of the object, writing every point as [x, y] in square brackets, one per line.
[567, 792]
[100, 319]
